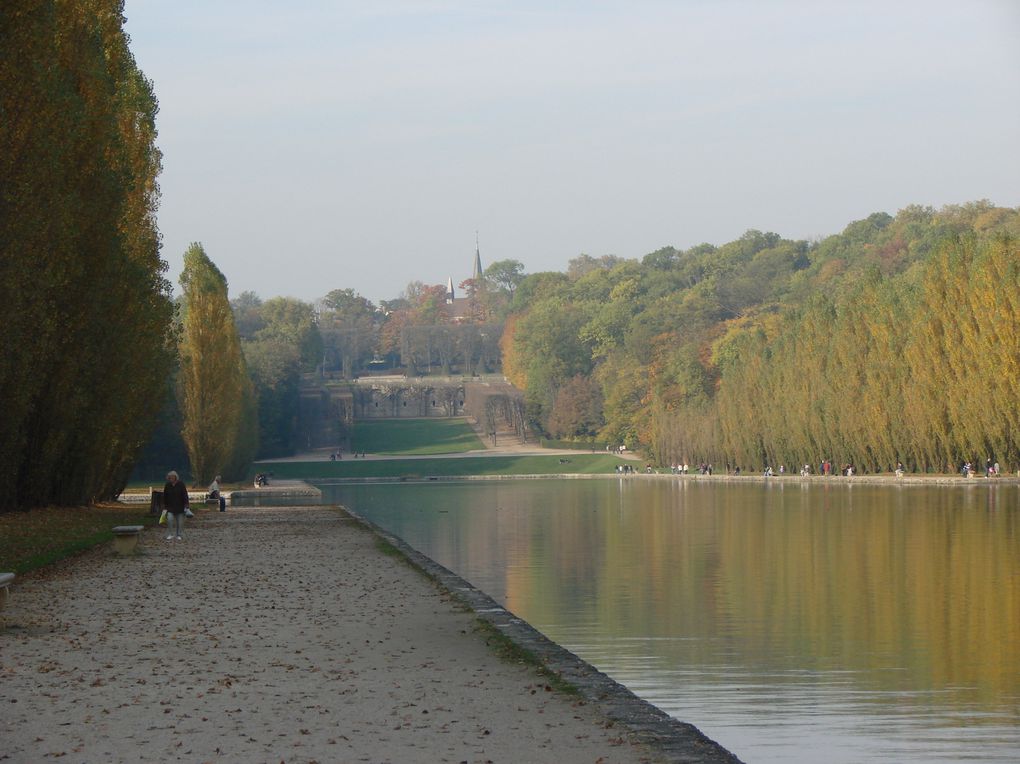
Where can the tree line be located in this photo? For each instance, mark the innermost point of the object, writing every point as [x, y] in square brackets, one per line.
[894, 341]
[103, 371]
[95, 346]
[242, 362]
[86, 308]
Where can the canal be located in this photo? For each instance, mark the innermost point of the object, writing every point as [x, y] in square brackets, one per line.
[791, 622]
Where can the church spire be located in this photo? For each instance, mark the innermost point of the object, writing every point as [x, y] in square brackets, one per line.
[476, 274]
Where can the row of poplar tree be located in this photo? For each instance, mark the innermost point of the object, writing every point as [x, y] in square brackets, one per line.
[92, 337]
[896, 340]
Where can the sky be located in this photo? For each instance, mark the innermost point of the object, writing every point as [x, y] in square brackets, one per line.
[313, 145]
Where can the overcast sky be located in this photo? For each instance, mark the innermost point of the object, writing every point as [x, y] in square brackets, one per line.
[313, 145]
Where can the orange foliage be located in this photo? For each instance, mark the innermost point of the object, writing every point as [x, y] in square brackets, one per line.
[513, 368]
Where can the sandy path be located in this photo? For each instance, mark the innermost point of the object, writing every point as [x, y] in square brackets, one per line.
[269, 635]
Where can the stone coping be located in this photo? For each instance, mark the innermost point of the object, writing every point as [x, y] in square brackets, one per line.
[677, 742]
[301, 488]
[277, 488]
[280, 488]
[887, 480]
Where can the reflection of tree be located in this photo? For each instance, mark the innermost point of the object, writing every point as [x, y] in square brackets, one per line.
[900, 597]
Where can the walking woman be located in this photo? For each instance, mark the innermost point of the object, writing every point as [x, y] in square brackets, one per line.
[175, 500]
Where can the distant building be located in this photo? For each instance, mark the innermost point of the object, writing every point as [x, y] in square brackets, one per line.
[459, 309]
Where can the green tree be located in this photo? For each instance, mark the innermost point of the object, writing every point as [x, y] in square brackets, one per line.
[350, 328]
[216, 396]
[292, 321]
[506, 276]
[275, 367]
[247, 308]
[547, 340]
[86, 307]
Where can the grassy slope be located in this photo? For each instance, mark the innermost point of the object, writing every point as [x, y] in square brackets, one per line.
[414, 437]
[422, 437]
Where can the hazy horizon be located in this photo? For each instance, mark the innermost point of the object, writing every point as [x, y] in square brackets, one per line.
[346, 145]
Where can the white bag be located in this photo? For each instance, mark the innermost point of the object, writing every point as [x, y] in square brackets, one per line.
[188, 512]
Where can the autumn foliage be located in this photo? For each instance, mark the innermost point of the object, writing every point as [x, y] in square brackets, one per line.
[216, 396]
[897, 340]
[86, 309]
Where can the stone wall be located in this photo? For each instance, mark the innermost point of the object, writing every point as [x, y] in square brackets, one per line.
[327, 409]
[408, 399]
[324, 417]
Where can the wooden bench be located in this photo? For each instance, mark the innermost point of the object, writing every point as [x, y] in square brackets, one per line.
[125, 538]
[6, 579]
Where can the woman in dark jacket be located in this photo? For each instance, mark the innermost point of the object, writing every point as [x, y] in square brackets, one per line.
[175, 500]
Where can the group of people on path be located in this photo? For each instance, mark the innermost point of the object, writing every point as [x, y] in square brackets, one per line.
[683, 469]
[177, 503]
[991, 469]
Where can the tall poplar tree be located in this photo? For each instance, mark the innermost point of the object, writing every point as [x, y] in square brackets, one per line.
[220, 425]
[86, 307]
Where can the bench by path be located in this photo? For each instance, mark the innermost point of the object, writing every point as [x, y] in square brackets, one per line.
[125, 538]
[6, 579]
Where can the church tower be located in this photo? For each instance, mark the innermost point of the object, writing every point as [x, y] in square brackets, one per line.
[476, 274]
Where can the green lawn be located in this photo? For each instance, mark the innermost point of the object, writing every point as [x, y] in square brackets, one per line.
[469, 465]
[29, 540]
[414, 437]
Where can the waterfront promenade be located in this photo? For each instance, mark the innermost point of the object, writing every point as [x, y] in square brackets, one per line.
[272, 635]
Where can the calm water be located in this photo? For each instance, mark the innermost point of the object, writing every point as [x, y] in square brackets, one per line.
[789, 622]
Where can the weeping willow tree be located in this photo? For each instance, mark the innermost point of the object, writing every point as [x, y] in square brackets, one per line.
[86, 309]
[216, 395]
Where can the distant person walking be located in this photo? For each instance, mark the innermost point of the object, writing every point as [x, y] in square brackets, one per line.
[175, 499]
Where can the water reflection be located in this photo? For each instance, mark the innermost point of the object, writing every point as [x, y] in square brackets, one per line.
[875, 623]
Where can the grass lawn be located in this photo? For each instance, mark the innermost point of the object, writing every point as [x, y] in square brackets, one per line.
[468, 465]
[414, 437]
[30, 540]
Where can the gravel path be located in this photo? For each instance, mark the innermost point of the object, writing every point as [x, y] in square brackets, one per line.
[269, 635]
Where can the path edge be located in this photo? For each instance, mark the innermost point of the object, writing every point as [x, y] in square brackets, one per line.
[675, 741]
